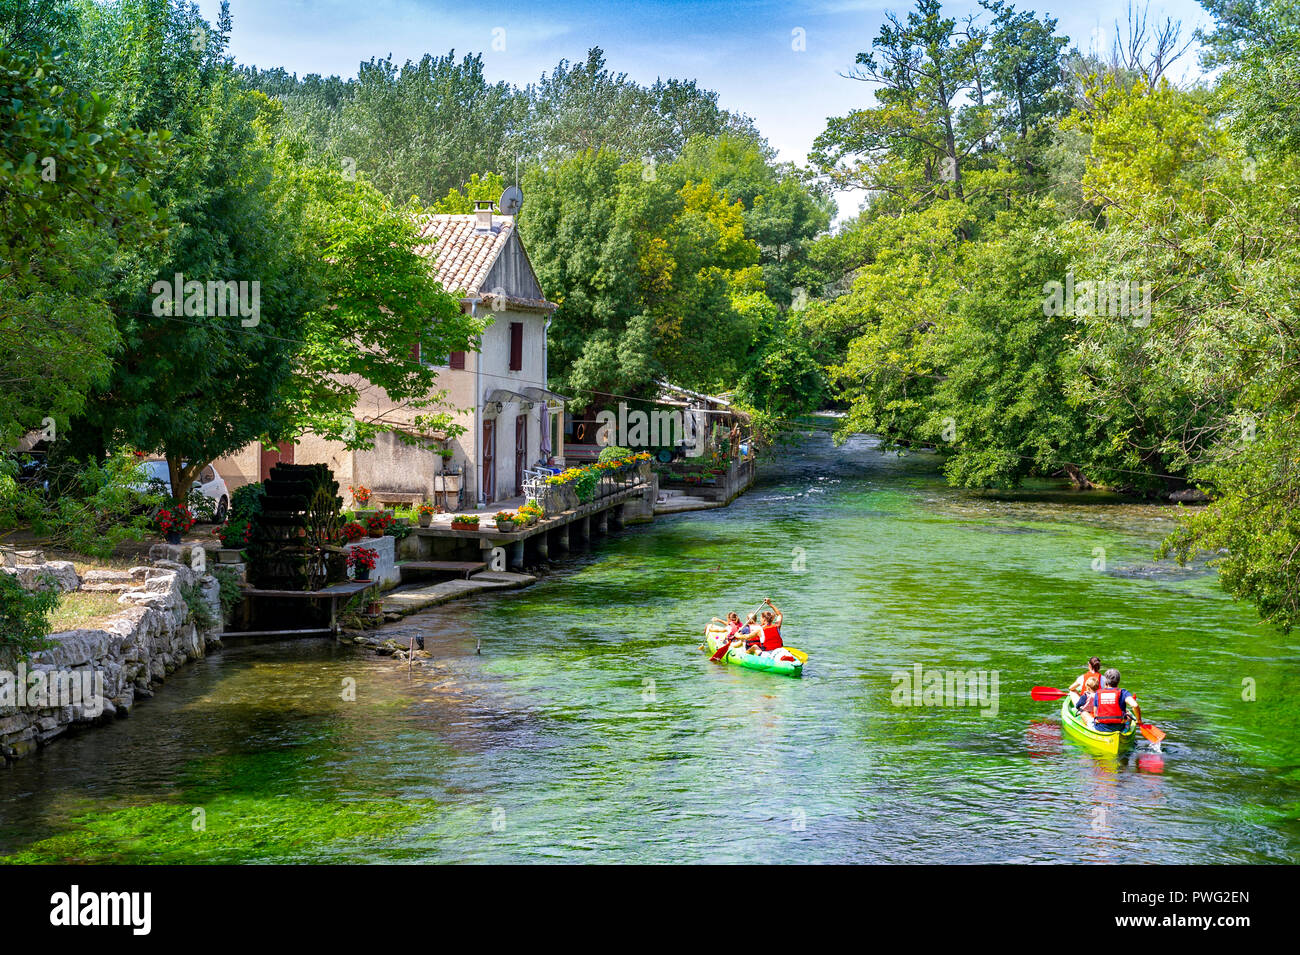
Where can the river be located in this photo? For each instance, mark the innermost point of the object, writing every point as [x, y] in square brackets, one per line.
[590, 729]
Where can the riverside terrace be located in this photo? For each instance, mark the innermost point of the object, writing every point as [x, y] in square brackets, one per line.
[438, 547]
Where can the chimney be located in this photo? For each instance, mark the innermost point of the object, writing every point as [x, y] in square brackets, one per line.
[483, 215]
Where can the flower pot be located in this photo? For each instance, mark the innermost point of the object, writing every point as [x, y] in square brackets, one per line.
[376, 533]
[426, 520]
[173, 537]
[461, 526]
[229, 555]
[506, 527]
[363, 573]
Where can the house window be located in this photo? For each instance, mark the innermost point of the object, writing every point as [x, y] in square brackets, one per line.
[457, 359]
[516, 346]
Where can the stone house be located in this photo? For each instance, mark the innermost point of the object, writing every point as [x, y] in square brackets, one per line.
[499, 392]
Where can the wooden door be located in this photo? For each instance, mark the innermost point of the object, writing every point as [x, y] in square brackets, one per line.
[521, 452]
[489, 462]
[283, 453]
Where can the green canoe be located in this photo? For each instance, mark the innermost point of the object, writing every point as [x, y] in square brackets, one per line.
[778, 661]
[1112, 743]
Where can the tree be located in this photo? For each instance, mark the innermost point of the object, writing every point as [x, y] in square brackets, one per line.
[374, 299]
[72, 205]
[584, 106]
[487, 187]
[196, 381]
[426, 127]
[913, 142]
[1024, 57]
[653, 279]
[782, 213]
[340, 294]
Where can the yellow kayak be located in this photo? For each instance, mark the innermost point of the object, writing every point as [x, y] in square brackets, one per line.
[1096, 740]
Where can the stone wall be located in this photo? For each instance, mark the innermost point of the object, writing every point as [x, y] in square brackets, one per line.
[385, 571]
[133, 651]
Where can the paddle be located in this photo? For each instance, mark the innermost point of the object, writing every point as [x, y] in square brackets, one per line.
[1152, 732]
[1149, 730]
[721, 652]
[797, 654]
[1043, 693]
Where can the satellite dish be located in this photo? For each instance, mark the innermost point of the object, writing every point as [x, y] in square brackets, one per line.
[511, 200]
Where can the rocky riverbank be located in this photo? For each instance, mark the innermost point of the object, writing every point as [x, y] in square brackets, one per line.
[122, 660]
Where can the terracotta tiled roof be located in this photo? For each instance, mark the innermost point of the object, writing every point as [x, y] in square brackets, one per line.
[463, 257]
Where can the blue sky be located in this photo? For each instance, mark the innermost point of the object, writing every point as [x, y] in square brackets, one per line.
[742, 50]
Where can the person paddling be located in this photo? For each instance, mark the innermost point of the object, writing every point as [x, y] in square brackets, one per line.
[767, 636]
[1080, 683]
[1110, 705]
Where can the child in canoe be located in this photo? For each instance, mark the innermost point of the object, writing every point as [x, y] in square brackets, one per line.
[1084, 703]
[732, 623]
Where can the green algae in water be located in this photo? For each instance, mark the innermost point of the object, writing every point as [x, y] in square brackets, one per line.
[250, 811]
[595, 728]
[236, 829]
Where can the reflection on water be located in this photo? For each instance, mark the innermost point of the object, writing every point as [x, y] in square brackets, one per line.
[590, 728]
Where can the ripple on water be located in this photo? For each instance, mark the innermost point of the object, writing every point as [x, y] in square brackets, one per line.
[590, 728]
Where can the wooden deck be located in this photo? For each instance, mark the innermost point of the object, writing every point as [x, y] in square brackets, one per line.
[489, 532]
[459, 567]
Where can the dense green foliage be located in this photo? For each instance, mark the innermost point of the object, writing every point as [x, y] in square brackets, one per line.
[24, 617]
[1066, 265]
[319, 283]
[1074, 267]
[660, 222]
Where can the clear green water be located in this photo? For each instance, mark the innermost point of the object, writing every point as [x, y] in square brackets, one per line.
[590, 729]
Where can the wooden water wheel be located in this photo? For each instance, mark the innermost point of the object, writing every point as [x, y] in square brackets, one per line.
[295, 540]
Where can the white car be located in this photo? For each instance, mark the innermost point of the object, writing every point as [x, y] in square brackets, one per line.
[209, 483]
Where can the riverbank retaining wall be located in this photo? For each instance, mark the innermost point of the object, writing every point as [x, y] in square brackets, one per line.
[128, 656]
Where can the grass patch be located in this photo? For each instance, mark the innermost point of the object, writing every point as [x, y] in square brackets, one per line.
[81, 609]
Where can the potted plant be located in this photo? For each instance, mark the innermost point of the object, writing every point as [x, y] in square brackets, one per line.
[361, 495]
[379, 524]
[464, 522]
[531, 512]
[235, 535]
[354, 531]
[424, 513]
[362, 560]
[505, 522]
[174, 521]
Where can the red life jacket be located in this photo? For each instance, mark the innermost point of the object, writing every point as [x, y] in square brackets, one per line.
[771, 638]
[1109, 706]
